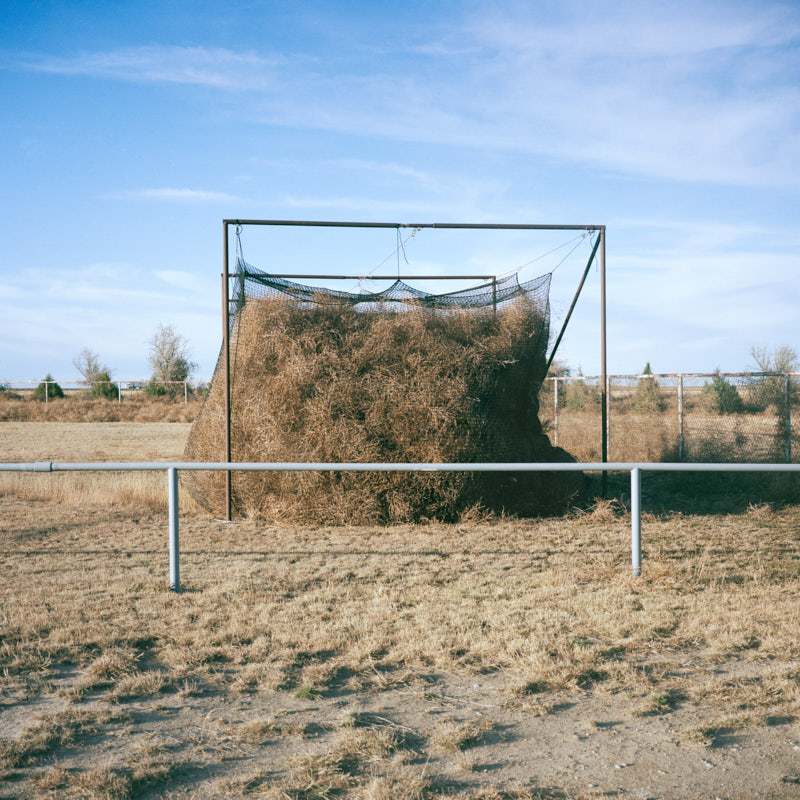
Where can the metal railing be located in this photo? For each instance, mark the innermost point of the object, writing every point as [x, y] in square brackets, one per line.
[173, 467]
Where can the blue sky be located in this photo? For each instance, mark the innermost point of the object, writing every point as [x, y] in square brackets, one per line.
[132, 129]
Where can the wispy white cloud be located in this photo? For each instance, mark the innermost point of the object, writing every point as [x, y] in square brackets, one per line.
[689, 92]
[173, 195]
[201, 66]
[179, 278]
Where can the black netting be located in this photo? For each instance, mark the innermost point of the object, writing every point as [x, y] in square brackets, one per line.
[253, 283]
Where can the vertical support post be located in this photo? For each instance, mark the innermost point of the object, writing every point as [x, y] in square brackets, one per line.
[680, 419]
[636, 522]
[608, 417]
[174, 550]
[47, 391]
[555, 409]
[119, 391]
[186, 393]
[788, 419]
[494, 295]
[603, 370]
[226, 346]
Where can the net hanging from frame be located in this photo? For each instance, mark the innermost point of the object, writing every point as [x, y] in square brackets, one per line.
[398, 375]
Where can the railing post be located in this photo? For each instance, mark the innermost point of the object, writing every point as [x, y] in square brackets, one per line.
[174, 551]
[47, 391]
[119, 391]
[555, 409]
[680, 418]
[788, 419]
[185, 393]
[608, 417]
[636, 521]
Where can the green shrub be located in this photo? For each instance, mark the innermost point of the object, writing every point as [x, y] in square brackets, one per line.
[579, 395]
[104, 387]
[155, 389]
[48, 389]
[648, 398]
[720, 397]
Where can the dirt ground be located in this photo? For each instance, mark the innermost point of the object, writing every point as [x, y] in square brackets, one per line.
[490, 659]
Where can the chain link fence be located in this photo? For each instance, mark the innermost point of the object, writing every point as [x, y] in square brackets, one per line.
[710, 417]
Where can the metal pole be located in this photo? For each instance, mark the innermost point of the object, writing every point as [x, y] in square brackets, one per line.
[185, 393]
[680, 418]
[47, 391]
[555, 409]
[603, 399]
[174, 552]
[445, 225]
[572, 306]
[788, 419]
[226, 346]
[636, 522]
[608, 416]
[119, 391]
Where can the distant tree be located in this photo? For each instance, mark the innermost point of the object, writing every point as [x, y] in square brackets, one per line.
[88, 365]
[770, 390]
[782, 359]
[648, 398]
[579, 395]
[169, 358]
[720, 397]
[559, 369]
[48, 389]
[104, 386]
[97, 375]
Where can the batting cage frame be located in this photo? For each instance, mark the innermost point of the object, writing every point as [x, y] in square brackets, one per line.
[600, 244]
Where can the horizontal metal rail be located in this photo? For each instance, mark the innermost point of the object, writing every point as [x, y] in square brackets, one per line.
[172, 467]
[485, 226]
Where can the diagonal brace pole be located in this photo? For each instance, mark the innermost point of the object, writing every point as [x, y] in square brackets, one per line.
[572, 307]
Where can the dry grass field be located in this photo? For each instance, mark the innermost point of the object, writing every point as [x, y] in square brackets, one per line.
[491, 658]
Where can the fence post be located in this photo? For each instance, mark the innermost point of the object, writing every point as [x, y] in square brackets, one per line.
[788, 419]
[47, 391]
[680, 418]
[555, 409]
[119, 391]
[185, 393]
[174, 551]
[636, 521]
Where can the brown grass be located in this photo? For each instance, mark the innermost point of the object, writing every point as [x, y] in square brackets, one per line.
[80, 441]
[335, 385]
[82, 407]
[476, 660]
[385, 625]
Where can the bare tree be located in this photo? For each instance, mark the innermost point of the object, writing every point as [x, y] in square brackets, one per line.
[88, 364]
[782, 359]
[95, 374]
[169, 356]
[772, 391]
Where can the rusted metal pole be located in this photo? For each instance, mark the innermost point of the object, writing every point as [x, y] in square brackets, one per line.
[226, 347]
[603, 370]
[376, 277]
[445, 225]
